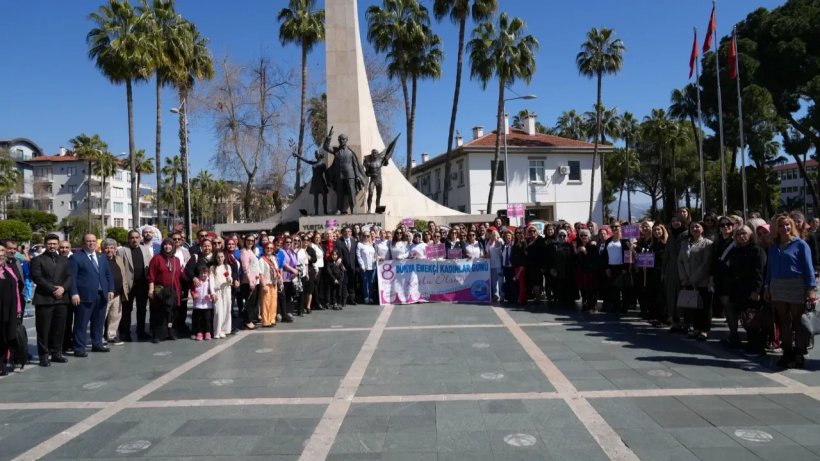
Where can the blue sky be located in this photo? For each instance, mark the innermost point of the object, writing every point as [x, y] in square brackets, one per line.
[50, 91]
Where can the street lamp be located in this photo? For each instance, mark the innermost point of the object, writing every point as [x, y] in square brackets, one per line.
[186, 177]
[506, 160]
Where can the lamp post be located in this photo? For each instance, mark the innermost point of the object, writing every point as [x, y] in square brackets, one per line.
[186, 177]
[506, 159]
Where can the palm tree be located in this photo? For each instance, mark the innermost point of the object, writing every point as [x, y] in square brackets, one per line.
[402, 29]
[317, 118]
[203, 183]
[104, 168]
[302, 25]
[684, 106]
[194, 63]
[458, 11]
[610, 124]
[88, 148]
[571, 125]
[172, 170]
[146, 166]
[629, 130]
[119, 45]
[600, 54]
[162, 23]
[504, 52]
[10, 177]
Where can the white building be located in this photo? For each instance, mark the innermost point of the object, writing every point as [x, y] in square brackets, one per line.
[59, 186]
[21, 151]
[792, 187]
[549, 175]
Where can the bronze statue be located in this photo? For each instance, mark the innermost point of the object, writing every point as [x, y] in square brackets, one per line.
[318, 183]
[373, 164]
[345, 174]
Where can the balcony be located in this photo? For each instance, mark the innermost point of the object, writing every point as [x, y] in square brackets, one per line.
[43, 179]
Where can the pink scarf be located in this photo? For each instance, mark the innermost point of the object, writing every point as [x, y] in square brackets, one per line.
[14, 276]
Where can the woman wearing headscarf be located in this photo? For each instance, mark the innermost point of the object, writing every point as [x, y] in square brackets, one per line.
[790, 285]
[164, 276]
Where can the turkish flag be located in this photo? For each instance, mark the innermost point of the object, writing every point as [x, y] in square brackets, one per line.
[693, 58]
[733, 56]
[710, 29]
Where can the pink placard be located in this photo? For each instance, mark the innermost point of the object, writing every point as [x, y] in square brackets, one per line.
[455, 253]
[408, 222]
[435, 251]
[330, 223]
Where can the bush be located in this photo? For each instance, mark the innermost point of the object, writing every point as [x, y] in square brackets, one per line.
[40, 221]
[12, 229]
[120, 234]
[76, 227]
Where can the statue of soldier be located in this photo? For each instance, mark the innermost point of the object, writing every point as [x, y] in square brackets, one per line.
[318, 183]
[345, 173]
[373, 164]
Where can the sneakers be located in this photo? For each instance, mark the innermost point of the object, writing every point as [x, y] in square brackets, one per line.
[198, 337]
[207, 336]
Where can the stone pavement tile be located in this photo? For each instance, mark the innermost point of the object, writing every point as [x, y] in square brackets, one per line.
[624, 413]
[359, 442]
[503, 406]
[406, 441]
[801, 404]
[410, 456]
[364, 424]
[438, 314]
[459, 417]
[509, 422]
[665, 454]
[102, 440]
[354, 456]
[411, 422]
[503, 450]
[805, 436]
[774, 438]
[767, 411]
[466, 455]
[717, 411]
[17, 437]
[723, 454]
[668, 412]
[791, 453]
[703, 437]
[460, 441]
[206, 446]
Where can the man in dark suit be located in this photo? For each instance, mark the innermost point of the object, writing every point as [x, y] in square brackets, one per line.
[52, 274]
[92, 286]
[136, 258]
[346, 173]
[347, 246]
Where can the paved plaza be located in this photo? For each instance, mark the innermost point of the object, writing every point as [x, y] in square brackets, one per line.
[419, 382]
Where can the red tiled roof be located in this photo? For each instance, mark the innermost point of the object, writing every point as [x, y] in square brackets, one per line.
[54, 158]
[520, 138]
[793, 166]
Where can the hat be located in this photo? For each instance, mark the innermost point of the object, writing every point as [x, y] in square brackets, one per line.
[763, 226]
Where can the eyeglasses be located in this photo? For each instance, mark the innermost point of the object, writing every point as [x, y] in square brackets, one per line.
[615, 227]
[471, 234]
[177, 239]
[287, 241]
[727, 224]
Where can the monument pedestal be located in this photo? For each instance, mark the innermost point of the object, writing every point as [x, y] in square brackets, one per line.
[337, 221]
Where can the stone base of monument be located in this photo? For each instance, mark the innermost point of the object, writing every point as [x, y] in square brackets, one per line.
[384, 221]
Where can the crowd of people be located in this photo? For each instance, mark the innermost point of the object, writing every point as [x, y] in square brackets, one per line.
[679, 276]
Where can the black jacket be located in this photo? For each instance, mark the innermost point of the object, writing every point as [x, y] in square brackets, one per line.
[50, 270]
[349, 259]
[746, 268]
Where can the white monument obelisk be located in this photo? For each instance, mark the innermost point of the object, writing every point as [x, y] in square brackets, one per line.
[350, 111]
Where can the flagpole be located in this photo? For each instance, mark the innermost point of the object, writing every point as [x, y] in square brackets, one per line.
[700, 139]
[740, 122]
[720, 116]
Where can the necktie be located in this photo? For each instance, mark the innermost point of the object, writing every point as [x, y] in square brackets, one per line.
[94, 260]
[348, 243]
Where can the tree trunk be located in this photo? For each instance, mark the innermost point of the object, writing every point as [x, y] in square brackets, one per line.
[594, 155]
[406, 94]
[300, 142]
[627, 183]
[459, 63]
[183, 159]
[246, 199]
[411, 125]
[157, 151]
[132, 154]
[102, 207]
[88, 198]
[498, 127]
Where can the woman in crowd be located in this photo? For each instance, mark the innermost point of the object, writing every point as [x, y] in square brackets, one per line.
[677, 234]
[658, 311]
[453, 246]
[746, 269]
[366, 256]
[302, 262]
[418, 250]
[399, 249]
[249, 282]
[314, 292]
[518, 260]
[645, 289]
[495, 252]
[617, 269]
[535, 261]
[164, 276]
[710, 227]
[586, 270]
[790, 285]
[288, 263]
[221, 281]
[560, 272]
[382, 247]
[694, 264]
[268, 281]
[11, 307]
[721, 281]
[472, 247]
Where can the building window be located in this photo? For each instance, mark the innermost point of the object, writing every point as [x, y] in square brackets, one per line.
[43, 173]
[71, 171]
[438, 181]
[71, 189]
[119, 192]
[72, 205]
[537, 173]
[499, 175]
[574, 170]
[118, 207]
[460, 169]
[118, 222]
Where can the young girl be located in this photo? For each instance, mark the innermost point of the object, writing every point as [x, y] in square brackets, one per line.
[202, 317]
[221, 282]
[336, 271]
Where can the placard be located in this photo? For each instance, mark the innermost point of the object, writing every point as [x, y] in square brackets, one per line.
[330, 223]
[515, 210]
[631, 231]
[455, 253]
[646, 260]
[453, 280]
[408, 222]
[435, 251]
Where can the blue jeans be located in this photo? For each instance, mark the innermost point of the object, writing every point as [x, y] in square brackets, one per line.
[497, 282]
[94, 312]
[368, 278]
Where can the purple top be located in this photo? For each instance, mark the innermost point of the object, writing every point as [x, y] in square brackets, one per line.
[286, 257]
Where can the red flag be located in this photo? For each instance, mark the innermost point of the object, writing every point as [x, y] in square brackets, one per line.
[693, 58]
[733, 56]
[710, 29]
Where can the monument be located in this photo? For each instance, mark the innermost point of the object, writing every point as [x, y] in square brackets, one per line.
[350, 111]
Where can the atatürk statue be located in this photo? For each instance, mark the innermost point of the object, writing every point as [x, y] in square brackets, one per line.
[373, 164]
[318, 183]
[345, 174]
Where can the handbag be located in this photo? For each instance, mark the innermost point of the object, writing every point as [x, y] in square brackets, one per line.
[19, 353]
[689, 299]
[811, 322]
